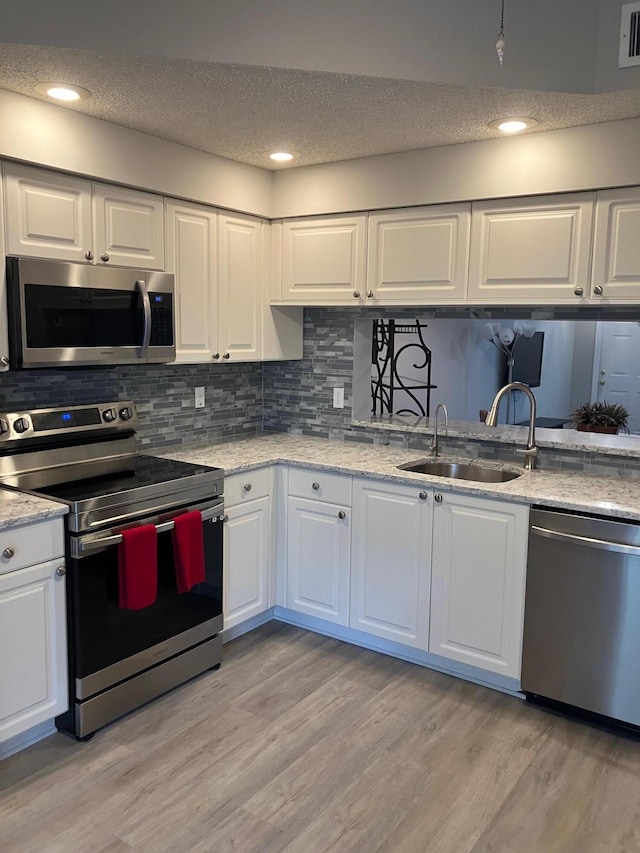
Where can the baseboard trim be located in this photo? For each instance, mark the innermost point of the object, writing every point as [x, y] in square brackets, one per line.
[249, 625]
[24, 739]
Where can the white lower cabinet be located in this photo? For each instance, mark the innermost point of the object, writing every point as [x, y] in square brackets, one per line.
[318, 558]
[33, 646]
[247, 548]
[391, 561]
[478, 581]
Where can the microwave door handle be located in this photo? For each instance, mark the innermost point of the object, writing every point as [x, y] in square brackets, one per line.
[81, 549]
[146, 306]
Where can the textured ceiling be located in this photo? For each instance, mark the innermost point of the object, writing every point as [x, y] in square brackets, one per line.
[244, 112]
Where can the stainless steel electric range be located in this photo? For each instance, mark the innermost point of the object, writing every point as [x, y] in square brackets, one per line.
[87, 457]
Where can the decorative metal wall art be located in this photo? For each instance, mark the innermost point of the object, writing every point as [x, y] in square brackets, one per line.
[391, 391]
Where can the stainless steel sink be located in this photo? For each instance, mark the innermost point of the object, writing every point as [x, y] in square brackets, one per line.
[460, 471]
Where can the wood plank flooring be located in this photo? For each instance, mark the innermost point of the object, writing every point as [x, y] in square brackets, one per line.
[304, 744]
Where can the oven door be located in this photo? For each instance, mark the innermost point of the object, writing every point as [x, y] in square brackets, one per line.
[109, 644]
[82, 315]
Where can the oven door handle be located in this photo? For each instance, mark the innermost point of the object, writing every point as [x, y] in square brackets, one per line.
[81, 549]
[146, 307]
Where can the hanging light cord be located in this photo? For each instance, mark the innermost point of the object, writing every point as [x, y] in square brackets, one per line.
[500, 42]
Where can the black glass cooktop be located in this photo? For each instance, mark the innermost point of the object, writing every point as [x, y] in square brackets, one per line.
[147, 471]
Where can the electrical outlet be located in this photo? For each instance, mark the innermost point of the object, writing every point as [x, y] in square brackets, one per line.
[200, 397]
[338, 398]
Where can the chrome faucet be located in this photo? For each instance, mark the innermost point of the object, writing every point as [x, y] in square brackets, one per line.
[434, 442]
[531, 452]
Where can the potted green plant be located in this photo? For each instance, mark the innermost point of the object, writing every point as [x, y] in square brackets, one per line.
[601, 417]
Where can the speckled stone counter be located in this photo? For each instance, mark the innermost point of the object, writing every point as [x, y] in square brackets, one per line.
[610, 496]
[17, 508]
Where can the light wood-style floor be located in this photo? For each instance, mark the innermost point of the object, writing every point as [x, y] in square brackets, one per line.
[304, 744]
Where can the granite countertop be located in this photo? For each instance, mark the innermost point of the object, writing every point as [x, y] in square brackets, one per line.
[610, 496]
[557, 439]
[17, 508]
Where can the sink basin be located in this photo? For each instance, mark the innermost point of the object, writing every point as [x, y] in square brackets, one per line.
[460, 471]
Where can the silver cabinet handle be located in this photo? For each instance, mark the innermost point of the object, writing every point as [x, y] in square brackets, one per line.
[9, 552]
[215, 356]
[61, 571]
[315, 486]
[104, 257]
[342, 514]
[369, 294]
[578, 291]
[146, 329]
[247, 487]
[600, 544]
[89, 255]
[422, 496]
[226, 355]
[224, 518]
[356, 294]
[602, 382]
[438, 498]
[597, 290]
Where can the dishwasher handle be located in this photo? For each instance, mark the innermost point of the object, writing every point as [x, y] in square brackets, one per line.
[599, 544]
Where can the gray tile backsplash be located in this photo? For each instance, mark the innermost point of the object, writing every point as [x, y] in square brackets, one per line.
[163, 394]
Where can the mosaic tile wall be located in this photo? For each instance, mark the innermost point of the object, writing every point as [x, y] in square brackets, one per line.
[298, 395]
[164, 396]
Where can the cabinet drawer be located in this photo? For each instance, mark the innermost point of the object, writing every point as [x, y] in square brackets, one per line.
[320, 485]
[30, 544]
[240, 488]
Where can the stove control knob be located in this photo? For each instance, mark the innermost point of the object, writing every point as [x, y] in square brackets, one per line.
[21, 424]
[126, 413]
[4, 426]
[109, 415]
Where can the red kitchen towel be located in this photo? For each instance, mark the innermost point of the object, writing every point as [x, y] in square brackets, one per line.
[138, 567]
[188, 550]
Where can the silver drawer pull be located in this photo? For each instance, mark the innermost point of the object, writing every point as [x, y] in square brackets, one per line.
[315, 486]
[61, 571]
[423, 496]
[247, 487]
[9, 552]
[342, 514]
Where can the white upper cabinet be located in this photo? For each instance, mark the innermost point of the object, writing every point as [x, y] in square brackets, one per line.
[48, 214]
[191, 256]
[531, 250]
[52, 215]
[616, 253]
[390, 561]
[240, 287]
[128, 227]
[477, 582]
[322, 260]
[419, 256]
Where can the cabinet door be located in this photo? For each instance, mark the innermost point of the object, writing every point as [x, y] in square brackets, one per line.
[532, 251]
[246, 561]
[191, 256]
[4, 332]
[390, 562]
[282, 326]
[33, 663]
[240, 286]
[419, 256]
[616, 253]
[478, 578]
[318, 559]
[48, 214]
[128, 227]
[323, 260]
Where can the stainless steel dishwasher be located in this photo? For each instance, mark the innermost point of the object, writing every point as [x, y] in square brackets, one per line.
[582, 614]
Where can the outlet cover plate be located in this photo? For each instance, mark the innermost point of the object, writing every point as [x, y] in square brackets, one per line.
[338, 398]
[199, 397]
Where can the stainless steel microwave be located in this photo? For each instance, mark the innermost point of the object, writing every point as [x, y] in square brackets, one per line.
[66, 314]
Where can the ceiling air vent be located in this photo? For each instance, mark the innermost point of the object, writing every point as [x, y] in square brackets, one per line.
[629, 36]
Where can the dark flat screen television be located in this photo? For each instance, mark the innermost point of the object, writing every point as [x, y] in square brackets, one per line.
[527, 360]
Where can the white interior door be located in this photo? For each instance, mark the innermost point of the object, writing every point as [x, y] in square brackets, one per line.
[618, 369]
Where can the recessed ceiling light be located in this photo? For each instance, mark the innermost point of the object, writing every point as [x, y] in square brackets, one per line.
[512, 125]
[63, 91]
[281, 156]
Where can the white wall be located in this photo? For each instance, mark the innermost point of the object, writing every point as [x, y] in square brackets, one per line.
[48, 135]
[579, 158]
